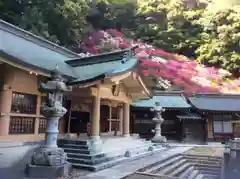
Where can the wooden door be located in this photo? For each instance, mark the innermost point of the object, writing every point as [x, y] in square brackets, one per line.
[194, 131]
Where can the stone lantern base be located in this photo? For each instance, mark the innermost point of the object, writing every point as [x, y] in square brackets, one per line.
[35, 171]
[159, 139]
[48, 163]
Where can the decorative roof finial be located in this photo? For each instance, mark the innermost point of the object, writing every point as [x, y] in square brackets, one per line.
[57, 68]
[56, 75]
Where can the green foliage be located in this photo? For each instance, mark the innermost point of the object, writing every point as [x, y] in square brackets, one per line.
[208, 32]
[169, 25]
[61, 21]
[220, 40]
[117, 14]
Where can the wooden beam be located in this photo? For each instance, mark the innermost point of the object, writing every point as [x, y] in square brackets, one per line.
[38, 72]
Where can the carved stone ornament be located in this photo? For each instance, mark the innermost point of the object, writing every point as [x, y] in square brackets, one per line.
[49, 157]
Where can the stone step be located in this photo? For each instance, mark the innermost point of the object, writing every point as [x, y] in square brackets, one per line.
[211, 177]
[210, 172]
[179, 170]
[204, 163]
[76, 142]
[75, 150]
[206, 167]
[186, 173]
[200, 176]
[193, 175]
[204, 157]
[191, 158]
[75, 146]
[155, 167]
[94, 161]
[111, 163]
[171, 168]
[84, 156]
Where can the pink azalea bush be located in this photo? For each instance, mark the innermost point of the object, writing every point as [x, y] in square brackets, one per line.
[181, 71]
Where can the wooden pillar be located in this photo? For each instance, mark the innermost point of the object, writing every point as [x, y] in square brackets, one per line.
[95, 116]
[126, 119]
[5, 109]
[38, 115]
[110, 119]
[121, 119]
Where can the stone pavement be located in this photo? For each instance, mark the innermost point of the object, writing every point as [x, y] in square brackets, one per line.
[13, 160]
[122, 170]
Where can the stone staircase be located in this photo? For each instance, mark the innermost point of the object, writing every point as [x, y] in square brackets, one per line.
[185, 166]
[114, 151]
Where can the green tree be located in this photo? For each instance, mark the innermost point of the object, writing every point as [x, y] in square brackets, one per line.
[61, 21]
[220, 40]
[168, 24]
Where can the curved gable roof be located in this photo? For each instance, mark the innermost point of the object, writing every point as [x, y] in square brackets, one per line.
[166, 101]
[26, 49]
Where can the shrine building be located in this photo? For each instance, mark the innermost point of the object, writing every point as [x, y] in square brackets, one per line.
[200, 118]
[103, 88]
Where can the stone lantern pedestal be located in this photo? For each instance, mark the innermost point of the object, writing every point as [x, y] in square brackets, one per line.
[158, 120]
[231, 162]
[49, 161]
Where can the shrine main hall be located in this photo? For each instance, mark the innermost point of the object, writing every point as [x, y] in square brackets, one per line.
[103, 87]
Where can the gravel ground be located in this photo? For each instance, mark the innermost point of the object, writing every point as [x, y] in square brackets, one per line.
[209, 151]
[76, 173]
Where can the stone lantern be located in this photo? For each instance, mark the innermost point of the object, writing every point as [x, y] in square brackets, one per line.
[158, 120]
[49, 161]
[231, 161]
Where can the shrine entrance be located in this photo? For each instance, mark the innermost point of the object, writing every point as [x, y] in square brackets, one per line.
[194, 131]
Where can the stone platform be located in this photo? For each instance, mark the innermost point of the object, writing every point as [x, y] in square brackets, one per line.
[50, 172]
[114, 150]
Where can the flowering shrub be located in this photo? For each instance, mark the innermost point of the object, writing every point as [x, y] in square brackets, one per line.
[190, 75]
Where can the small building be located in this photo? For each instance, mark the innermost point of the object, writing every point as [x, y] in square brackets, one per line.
[221, 112]
[177, 116]
[181, 122]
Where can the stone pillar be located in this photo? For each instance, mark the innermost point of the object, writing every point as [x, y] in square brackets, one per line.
[158, 138]
[49, 161]
[5, 109]
[95, 142]
[126, 119]
[121, 119]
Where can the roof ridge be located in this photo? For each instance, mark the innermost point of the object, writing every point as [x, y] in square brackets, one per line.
[100, 58]
[35, 39]
[216, 95]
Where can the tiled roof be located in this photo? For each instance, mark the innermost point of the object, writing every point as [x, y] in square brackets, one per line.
[87, 73]
[24, 48]
[166, 101]
[223, 102]
[189, 115]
